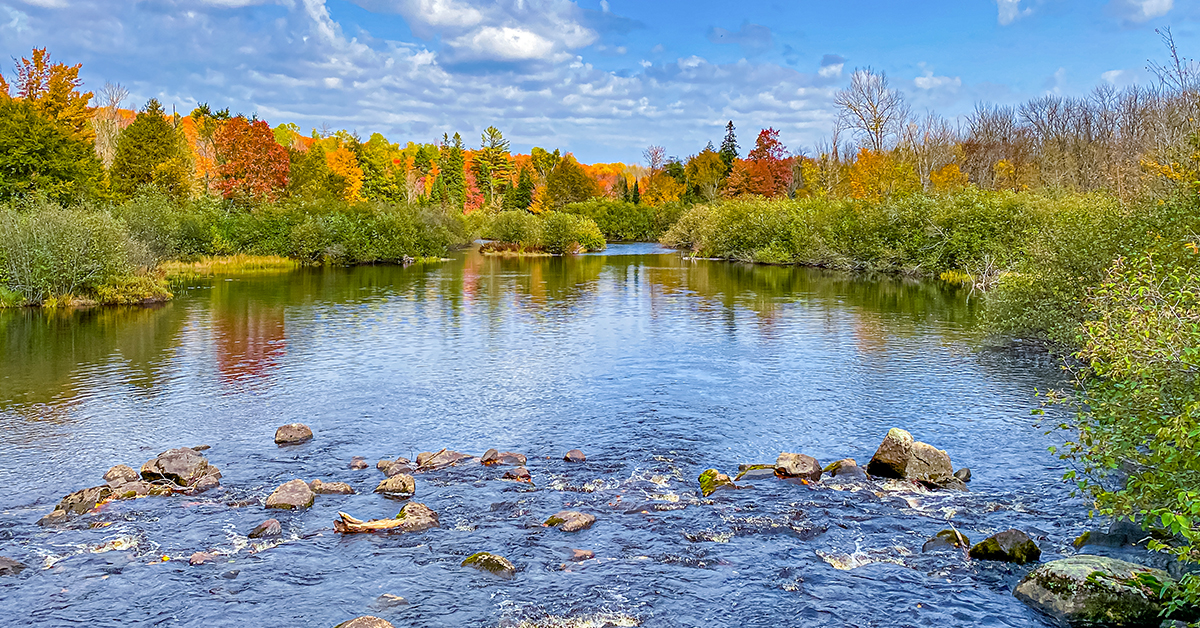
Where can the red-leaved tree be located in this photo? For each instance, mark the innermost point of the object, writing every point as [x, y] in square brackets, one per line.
[250, 164]
[768, 167]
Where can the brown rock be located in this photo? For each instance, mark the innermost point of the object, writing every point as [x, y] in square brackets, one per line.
[491, 563]
[293, 434]
[846, 468]
[578, 555]
[928, 463]
[891, 459]
[1011, 546]
[266, 529]
[359, 463]
[570, 521]
[121, 474]
[387, 600]
[133, 490]
[366, 621]
[199, 558]
[57, 516]
[433, 461]
[414, 517]
[575, 456]
[83, 501]
[183, 467]
[798, 466]
[293, 495]
[491, 457]
[396, 467]
[399, 484]
[10, 567]
[520, 474]
[331, 488]
[202, 448]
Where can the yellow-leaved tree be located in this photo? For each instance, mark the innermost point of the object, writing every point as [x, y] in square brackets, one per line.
[343, 163]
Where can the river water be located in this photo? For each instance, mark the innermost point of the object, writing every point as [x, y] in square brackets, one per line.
[656, 367]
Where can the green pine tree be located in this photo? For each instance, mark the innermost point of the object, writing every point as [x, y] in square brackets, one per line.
[636, 196]
[37, 155]
[729, 148]
[450, 170]
[150, 151]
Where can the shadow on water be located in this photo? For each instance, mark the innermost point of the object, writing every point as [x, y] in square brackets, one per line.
[656, 366]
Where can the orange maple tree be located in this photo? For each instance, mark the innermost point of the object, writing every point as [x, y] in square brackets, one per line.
[250, 163]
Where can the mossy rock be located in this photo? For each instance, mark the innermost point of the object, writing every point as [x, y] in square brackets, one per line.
[712, 480]
[491, 563]
[1012, 546]
[1089, 590]
[946, 539]
[755, 471]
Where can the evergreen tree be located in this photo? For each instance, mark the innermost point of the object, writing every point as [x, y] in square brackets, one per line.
[450, 170]
[621, 188]
[729, 148]
[636, 196]
[37, 155]
[150, 151]
[311, 177]
[493, 169]
[523, 193]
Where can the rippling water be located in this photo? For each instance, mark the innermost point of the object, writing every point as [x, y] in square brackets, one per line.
[655, 366]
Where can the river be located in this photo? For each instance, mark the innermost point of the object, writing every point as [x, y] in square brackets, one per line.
[657, 367]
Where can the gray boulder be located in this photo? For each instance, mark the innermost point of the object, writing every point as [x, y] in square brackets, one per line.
[292, 434]
[10, 567]
[266, 529]
[330, 488]
[846, 469]
[293, 495]
[901, 457]
[798, 466]
[183, 467]
[1095, 591]
[121, 474]
[1012, 546]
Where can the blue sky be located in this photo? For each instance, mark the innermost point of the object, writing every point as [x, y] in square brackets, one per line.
[600, 78]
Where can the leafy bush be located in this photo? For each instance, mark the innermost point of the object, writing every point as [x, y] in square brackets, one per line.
[516, 227]
[567, 233]
[629, 222]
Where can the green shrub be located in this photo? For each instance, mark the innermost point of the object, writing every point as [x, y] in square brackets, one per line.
[567, 233]
[516, 227]
[629, 222]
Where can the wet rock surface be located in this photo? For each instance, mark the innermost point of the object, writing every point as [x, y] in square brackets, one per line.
[414, 517]
[427, 461]
[366, 621]
[293, 495]
[267, 529]
[520, 474]
[570, 521]
[331, 488]
[712, 481]
[575, 455]
[1095, 591]
[1012, 546]
[121, 474]
[359, 463]
[183, 467]
[10, 567]
[387, 600]
[400, 484]
[799, 466]
[946, 540]
[493, 457]
[846, 469]
[491, 563]
[293, 434]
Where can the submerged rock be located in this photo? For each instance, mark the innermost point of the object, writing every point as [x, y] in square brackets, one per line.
[359, 463]
[798, 466]
[399, 484]
[846, 469]
[199, 558]
[578, 555]
[387, 600]
[491, 563]
[1011, 546]
[266, 529]
[427, 461]
[293, 495]
[755, 472]
[946, 539]
[575, 456]
[10, 567]
[183, 467]
[491, 457]
[293, 434]
[330, 488]
[570, 521]
[1095, 591]
[414, 517]
[366, 621]
[900, 457]
[520, 474]
[712, 481]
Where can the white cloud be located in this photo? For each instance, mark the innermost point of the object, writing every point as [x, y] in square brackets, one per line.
[928, 81]
[831, 66]
[1143, 10]
[505, 43]
[1010, 11]
[47, 4]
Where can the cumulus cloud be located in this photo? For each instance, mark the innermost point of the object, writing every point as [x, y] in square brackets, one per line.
[751, 37]
[831, 66]
[928, 81]
[1143, 10]
[1010, 11]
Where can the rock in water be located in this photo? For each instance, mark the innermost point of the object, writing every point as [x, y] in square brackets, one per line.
[358, 463]
[121, 474]
[183, 467]
[928, 463]
[414, 517]
[10, 567]
[387, 600]
[1011, 546]
[520, 474]
[946, 539]
[268, 528]
[399, 484]
[846, 469]
[491, 457]
[712, 480]
[331, 488]
[80, 502]
[294, 495]
[199, 558]
[292, 434]
[891, 459]
[798, 466]
[570, 521]
[1095, 591]
[395, 467]
[578, 555]
[963, 474]
[427, 461]
[366, 621]
[490, 563]
[755, 472]
[575, 456]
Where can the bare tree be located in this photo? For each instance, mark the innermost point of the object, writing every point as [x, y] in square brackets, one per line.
[929, 144]
[107, 121]
[1178, 74]
[870, 106]
[656, 158]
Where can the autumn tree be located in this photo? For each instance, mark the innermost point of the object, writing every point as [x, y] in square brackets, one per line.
[106, 123]
[493, 160]
[54, 91]
[343, 163]
[870, 106]
[383, 167]
[205, 123]
[151, 151]
[544, 161]
[569, 183]
[251, 165]
[310, 178]
[767, 168]
[39, 156]
[705, 171]
[729, 147]
[875, 175]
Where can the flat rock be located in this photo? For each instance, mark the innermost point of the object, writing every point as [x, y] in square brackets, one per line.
[414, 517]
[712, 481]
[492, 457]
[10, 567]
[266, 529]
[366, 621]
[1088, 590]
[491, 563]
[359, 463]
[520, 474]
[946, 539]
[570, 521]
[387, 600]
[580, 555]
[199, 558]
[399, 484]
[293, 434]
[846, 469]
[798, 466]
[427, 461]
[1011, 546]
[121, 474]
[293, 495]
[330, 488]
[183, 467]
[575, 456]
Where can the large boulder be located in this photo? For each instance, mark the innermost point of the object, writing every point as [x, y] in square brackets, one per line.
[293, 495]
[491, 563]
[80, 502]
[901, 457]
[366, 621]
[712, 481]
[798, 466]
[10, 567]
[414, 517]
[1095, 591]
[400, 484]
[570, 521]
[491, 457]
[183, 467]
[1012, 546]
[293, 434]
